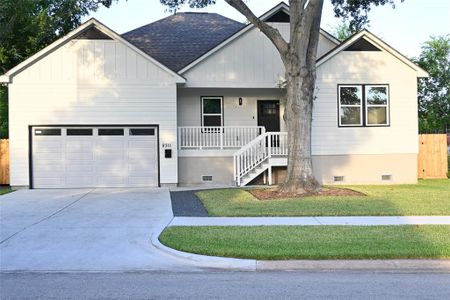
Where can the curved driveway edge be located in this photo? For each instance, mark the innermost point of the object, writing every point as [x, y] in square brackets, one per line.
[204, 261]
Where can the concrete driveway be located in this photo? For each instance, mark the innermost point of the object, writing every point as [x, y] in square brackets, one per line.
[84, 230]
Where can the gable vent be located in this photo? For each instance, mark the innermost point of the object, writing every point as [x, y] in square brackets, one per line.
[386, 177]
[362, 45]
[93, 34]
[338, 178]
[207, 178]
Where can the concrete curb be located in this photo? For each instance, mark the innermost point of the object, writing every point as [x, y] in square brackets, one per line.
[412, 265]
[204, 261]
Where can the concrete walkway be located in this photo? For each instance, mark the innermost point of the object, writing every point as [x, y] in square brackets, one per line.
[308, 221]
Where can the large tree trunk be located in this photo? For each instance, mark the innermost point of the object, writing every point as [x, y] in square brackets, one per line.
[300, 66]
[299, 106]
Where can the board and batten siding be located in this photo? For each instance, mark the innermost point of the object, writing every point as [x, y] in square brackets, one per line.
[92, 82]
[378, 67]
[249, 61]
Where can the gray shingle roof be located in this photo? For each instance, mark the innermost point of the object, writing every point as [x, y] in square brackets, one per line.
[179, 39]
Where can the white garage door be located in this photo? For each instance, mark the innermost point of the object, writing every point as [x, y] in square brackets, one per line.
[68, 157]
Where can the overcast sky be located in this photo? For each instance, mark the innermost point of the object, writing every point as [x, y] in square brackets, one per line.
[405, 28]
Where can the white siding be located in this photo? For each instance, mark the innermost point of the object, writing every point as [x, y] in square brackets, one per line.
[91, 82]
[189, 111]
[365, 68]
[250, 61]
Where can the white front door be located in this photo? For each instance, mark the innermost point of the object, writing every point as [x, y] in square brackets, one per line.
[75, 157]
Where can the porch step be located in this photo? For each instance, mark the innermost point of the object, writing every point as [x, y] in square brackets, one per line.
[247, 178]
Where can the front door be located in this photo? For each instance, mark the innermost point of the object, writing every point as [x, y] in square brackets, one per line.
[269, 114]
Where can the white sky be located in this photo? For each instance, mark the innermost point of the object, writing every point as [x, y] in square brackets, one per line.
[405, 28]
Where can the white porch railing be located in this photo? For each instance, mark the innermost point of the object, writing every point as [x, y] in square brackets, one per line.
[257, 151]
[215, 137]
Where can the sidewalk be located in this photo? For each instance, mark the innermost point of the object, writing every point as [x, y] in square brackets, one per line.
[310, 221]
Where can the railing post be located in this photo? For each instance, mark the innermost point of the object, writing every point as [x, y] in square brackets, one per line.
[222, 129]
[269, 147]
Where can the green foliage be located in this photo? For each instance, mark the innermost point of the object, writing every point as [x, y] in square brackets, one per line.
[3, 112]
[353, 10]
[27, 26]
[434, 92]
[342, 31]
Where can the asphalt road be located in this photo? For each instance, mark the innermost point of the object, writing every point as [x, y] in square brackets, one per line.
[226, 285]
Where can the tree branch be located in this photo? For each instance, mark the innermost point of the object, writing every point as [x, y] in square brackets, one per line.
[272, 33]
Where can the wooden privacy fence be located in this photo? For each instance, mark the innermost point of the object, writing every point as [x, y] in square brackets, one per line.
[4, 161]
[432, 156]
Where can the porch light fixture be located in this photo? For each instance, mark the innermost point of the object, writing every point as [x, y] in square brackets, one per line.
[240, 101]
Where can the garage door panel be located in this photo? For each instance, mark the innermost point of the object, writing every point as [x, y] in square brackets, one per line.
[111, 181]
[48, 167]
[80, 181]
[79, 146]
[95, 161]
[80, 167]
[52, 182]
[142, 181]
[142, 144]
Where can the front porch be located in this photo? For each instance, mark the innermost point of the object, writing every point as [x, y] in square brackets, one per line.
[253, 150]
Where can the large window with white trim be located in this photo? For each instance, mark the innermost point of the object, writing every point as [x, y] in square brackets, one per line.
[212, 111]
[363, 105]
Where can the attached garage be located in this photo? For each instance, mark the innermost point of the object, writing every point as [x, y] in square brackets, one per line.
[94, 156]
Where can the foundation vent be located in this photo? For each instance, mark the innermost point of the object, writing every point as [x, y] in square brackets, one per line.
[386, 177]
[207, 178]
[338, 178]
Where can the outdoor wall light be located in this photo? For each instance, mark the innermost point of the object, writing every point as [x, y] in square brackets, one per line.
[240, 101]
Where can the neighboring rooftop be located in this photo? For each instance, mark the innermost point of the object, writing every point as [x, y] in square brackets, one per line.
[181, 38]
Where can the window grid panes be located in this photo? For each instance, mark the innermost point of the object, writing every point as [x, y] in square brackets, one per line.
[212, 111]
[363, 105]
[350, 105]
[376, 105]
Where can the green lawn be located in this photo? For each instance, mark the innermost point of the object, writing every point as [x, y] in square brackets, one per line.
[428, 197]
[312, 242]
[5, 191]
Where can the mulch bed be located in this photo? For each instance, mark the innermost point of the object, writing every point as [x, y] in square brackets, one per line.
[271, 194]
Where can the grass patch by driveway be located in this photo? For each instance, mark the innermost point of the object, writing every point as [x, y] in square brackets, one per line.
[312, 242]
[427, 197]
[5, 191]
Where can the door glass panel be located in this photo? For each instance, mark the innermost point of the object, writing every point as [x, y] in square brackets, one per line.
[269, 108]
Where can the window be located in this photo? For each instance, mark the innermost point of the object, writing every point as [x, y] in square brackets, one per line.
[142, 131]
[112, 131]
[350, 105]
[376, 105]
[363, 105]
[79, 131]
[212, 114]
[50, 131]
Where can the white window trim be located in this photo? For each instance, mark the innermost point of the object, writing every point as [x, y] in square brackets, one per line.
[347, 105]
[209, 114]
[367, 86]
